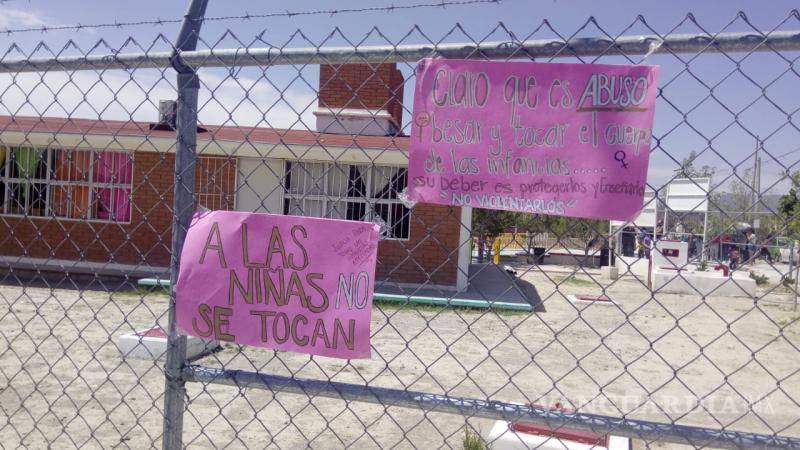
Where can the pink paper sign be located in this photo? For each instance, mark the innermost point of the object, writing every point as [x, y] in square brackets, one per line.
[545, 138]
[290, 283]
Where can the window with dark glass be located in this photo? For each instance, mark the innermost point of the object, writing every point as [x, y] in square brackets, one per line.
[348, 191]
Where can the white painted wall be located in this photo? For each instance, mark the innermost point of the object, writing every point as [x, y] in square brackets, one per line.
[688, 195]
[259, 186]
[364, 122]
[660, 259]
[711, 283]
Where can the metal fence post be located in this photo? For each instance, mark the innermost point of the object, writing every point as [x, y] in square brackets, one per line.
[182, 209]
[796, 270]
[791, 259]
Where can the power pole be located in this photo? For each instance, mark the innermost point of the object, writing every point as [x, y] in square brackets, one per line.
[756, 181]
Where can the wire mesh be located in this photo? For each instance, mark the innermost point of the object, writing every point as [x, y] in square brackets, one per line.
[88, 181]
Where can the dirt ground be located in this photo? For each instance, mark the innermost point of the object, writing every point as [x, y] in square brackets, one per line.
[717, 362]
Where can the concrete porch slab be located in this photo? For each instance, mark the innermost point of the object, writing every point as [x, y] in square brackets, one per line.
[490, 287]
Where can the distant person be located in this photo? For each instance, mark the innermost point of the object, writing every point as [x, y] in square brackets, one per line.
[752, 244]
[496, 251]
[744, 250]
[648, 245]
[714, 248]
[639, 247]
[765, 253]
[727, 244]
[734, 258]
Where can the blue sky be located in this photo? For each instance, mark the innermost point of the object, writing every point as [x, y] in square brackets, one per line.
[686, 118]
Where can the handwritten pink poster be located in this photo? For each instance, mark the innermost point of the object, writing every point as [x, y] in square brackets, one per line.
[545, 138]
[289, 283]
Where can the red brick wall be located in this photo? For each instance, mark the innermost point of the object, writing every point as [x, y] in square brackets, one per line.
[146, 240]
[362, 86]
[429, 255]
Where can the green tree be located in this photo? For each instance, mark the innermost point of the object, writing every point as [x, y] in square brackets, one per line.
[592, 232]
[536, 224]
[589, 233]
[729, 207]
[487, 224]
[688, 169]
[789, 207]
[742, 194]
[689, 221]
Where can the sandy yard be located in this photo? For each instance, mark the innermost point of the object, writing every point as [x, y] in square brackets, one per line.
[63, 380]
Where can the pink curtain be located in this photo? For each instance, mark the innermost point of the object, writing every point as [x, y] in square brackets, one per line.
[113, 203]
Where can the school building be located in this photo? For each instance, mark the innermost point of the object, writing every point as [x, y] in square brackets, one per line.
[95, 196]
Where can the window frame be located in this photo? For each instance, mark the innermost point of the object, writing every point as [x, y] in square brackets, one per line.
[223, 166]
[48, 156]
[325, 199]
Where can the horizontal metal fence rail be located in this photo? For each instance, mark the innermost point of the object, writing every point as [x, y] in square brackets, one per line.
[471, 407]
[546, 48]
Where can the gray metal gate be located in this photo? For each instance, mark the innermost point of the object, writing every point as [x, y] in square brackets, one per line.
[695, 369]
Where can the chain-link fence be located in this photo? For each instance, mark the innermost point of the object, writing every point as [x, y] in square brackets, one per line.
[583, 325]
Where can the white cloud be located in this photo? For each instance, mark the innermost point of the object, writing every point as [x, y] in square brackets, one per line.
[15, 18]
[248, 101]
[118, 95]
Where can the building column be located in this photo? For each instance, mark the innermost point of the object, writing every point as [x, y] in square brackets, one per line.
[464, 248]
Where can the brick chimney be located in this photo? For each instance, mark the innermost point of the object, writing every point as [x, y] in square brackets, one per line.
[360, 99]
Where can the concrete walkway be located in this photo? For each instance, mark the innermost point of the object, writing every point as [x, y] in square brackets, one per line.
[487, 283]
